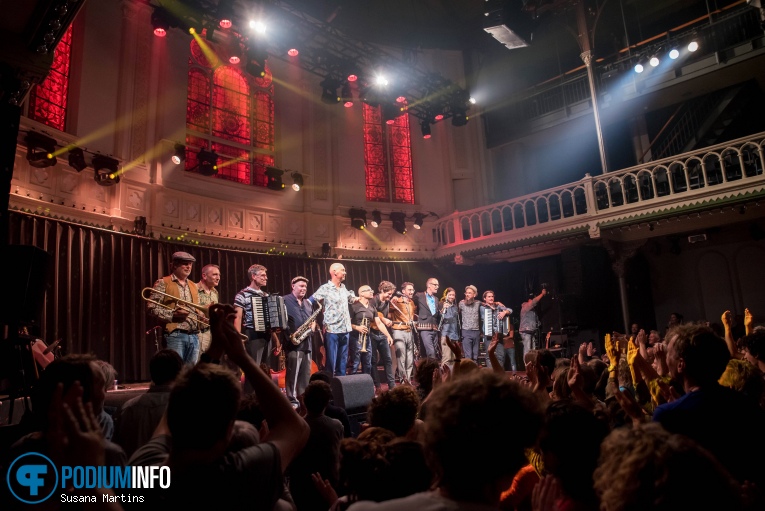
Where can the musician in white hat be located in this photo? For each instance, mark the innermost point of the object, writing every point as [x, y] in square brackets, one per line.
[181, 324]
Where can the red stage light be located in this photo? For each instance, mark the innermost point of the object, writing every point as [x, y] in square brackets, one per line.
[439, 117]
[292, 52]
[234, 59]
[348, 104]
[426, 136]
[352, 78]
[390, 121]
[225, 23]
[400, 99]
[160, 32]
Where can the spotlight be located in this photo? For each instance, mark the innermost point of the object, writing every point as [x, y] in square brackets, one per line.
[439, 117]
[640, 66]
[258, 26]
[376, 218]
[292, 52]
[352, 78]
[459, 118]
[693, 46]
[674, 53]
[326, 249]
[297, 181]
[256, 61]
[225, 14]
[472, 100]
[77, 159]
[40, 150]
[234, 51]
[274, 176]
[419, 218]
[329, 91]
[425, 127]
[160, 20]
[347, 95]
[139, 225]
[390, 113]
[208, 162]
[399, 222]
[105, 170]
[381, 81]
[180, 154]
[358, 218]
[401, 99]
[654, 61]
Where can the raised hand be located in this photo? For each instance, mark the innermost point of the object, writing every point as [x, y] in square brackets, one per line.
[531, 373]
[456, 347]
[546, 494]
[583, 349]
[748, 322]
[575, 379]
[642, 338]
[612, 350]
[633, 352]
[324, 488]
[727, 319]
[629, 405]
[590, 349]
[494, 343]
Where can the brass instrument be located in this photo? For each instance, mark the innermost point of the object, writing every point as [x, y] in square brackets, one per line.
[303, 330]
[178, 304]
[364, 335]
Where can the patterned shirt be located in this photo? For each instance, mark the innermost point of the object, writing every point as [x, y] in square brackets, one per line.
[207, 298]
[337, 319]
[243, 300]
[529, 318]
[165, 315]
[471, 319]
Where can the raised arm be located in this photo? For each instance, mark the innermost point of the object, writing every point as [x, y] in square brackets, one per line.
[748, 322]
[727, 321]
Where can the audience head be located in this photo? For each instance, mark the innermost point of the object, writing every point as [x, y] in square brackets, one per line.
[67, 370]
[164, 366]
[744, 377]
[466, 408]
[203, 405]
[754, 347]
[424, 375]
[395, 410]
[645, 467]
[317, 396]
[695, 354]
[547, 360]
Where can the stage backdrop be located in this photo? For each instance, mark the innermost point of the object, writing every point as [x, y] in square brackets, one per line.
[93, 282]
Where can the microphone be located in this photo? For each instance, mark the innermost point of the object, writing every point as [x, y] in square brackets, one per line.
[152, 329]
[52, 347]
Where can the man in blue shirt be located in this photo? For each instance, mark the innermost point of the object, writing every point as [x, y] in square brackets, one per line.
[427, 319]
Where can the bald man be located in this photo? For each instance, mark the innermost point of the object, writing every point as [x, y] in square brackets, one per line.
[337, 319]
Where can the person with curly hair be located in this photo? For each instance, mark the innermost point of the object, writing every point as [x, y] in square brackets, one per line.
[395, 410]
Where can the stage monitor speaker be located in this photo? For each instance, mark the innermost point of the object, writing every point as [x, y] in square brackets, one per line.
[28, 281]
[353, 392]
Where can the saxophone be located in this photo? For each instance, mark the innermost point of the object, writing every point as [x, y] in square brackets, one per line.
[303, 330]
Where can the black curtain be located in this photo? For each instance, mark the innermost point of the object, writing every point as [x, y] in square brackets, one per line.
[95, 276]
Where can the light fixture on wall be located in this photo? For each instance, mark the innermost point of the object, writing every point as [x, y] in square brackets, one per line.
[208, 162]
[399, 222]
[358, 218]
[329, 88]
[179, 154]
[160, 21]
[425, 128]
[376, 218]
[274, 177]
[419, 218]
[297, 181]
[77, 159]
[40, 150]
[105, 170]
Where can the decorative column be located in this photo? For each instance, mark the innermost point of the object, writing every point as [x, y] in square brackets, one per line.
[586, 56]
[620, 253]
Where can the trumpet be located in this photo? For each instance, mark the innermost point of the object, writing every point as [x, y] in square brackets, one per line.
[364, 336]
[192, 308]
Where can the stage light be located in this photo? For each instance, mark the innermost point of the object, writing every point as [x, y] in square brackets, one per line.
[390, 113]
[674, 53]
[208, 162]
[471, 100]
[381, 80]
[258, 26]
[419, 218]
[40, 150]
[326, 249]
[77, 159]
[160, 22]
[329, 91]
[234, 52]
[274, 177]
[425, 128]
[106, 169]
[693, 46]
[180, 154]
[459, 118]
[399, 222]
[225, 13]
[292, 52]
[256, 61]
[639, 68]
[376, 218]
[297, 181]
[225, 23]
[358, 218]
[400, 99]
[352, 78]
[347, 95]
[439, 117]
[654, 61]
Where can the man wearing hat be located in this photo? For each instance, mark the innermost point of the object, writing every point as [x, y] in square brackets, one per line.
[298, 363]
[530, 321]
[181, 324]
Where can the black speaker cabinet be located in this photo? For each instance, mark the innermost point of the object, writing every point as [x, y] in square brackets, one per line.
[28, 281]
[353, 392]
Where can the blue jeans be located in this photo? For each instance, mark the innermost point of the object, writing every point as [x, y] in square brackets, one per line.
[506, 357]
[336, 347]
[470, 339]
[186, 345]
[357, 356]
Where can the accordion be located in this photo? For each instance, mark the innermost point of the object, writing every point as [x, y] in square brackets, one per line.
[268, 312]
[492, 325]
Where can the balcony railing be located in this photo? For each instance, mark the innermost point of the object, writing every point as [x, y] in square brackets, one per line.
[712, 172]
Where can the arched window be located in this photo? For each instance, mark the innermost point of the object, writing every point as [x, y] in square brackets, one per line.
[47, 101]
[387, 158]
[231, 113]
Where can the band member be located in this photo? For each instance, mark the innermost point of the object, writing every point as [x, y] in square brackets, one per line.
[530, 321]
[498, 314]
[181, 325]
[379, 335]
[208, 295]
[471, 323]
[362, 316]
[401, 314]
[449, 324]
[258, 344]
[337, 319]
[427, 314]
[298, 357]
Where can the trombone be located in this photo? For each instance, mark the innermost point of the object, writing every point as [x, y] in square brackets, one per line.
[147, 292]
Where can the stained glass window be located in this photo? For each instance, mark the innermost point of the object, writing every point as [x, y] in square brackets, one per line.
[47, 101]
[231, 113]
[387, 158]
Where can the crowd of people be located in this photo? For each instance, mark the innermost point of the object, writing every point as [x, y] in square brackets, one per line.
[665, 420]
